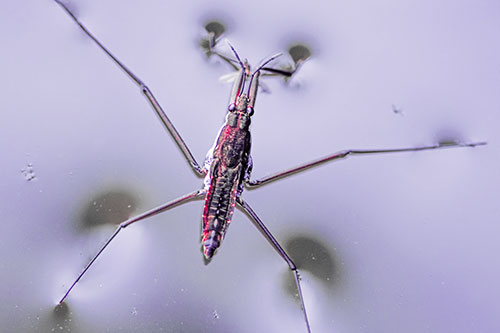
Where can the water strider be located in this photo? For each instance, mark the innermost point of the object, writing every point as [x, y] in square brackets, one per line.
[228, 165]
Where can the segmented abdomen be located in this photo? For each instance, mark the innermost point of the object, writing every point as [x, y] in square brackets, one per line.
[219, 207]
[228, 165]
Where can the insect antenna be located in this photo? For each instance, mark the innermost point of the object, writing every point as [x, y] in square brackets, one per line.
[266, 62]
[260, 67]
[236, 55]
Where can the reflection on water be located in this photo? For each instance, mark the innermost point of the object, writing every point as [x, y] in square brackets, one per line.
[313, 255]
[314, 258]
[214, 30]
[59, 320]
[111, 206]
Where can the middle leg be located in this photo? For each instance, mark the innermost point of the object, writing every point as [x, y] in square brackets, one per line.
[345, 153]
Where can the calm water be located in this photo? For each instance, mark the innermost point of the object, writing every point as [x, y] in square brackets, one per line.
[401, 243]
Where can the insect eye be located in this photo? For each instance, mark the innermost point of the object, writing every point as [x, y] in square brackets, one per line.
[250, 110]
[231, 107]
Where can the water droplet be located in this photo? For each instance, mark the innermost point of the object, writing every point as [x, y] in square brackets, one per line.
[28, 172]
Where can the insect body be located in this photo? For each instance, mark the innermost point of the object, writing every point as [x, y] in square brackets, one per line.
[228, 165]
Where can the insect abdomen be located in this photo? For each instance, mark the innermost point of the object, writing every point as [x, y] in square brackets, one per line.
[230, 158]
[219, 207]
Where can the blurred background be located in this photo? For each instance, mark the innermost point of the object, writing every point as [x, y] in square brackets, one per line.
[388, 243]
